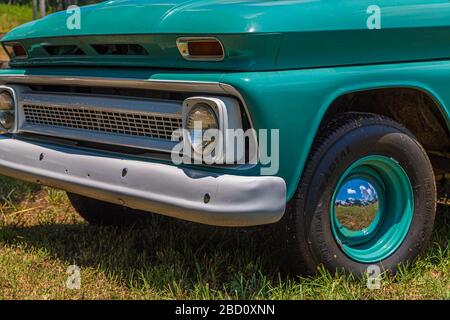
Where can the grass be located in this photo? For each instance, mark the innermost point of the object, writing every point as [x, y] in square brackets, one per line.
[356, 218]
[12, 16]
[41, 235]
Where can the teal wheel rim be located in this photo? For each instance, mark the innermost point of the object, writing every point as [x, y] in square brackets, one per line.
[372, 209]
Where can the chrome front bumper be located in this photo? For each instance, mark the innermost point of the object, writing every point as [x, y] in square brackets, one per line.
[154, 187]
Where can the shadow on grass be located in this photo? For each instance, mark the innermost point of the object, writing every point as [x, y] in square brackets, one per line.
[13, 192]
[167, 252]
[163, 252]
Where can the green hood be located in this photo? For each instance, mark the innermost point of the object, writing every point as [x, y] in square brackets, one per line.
[202, 16]
[257, 35]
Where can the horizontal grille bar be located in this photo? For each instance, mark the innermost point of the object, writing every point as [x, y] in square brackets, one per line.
[125, 123]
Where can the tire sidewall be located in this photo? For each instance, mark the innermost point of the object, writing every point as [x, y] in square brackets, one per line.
[373, 139]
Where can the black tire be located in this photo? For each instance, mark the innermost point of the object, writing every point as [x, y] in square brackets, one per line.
[103, 213]
[307, 222]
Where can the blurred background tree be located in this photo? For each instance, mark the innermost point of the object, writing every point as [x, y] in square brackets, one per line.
[16, 12]
[50, 5]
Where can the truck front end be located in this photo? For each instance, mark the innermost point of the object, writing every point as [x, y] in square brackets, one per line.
[240, 114]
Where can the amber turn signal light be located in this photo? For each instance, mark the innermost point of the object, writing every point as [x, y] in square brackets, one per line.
[15, 50]
[201, 49]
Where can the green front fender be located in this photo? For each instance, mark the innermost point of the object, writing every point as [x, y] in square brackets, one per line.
[294, 101]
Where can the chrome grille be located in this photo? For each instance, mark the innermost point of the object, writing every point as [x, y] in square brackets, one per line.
[124, 123]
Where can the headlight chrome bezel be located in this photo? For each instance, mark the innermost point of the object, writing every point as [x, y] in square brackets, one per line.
[11, 112]
[228, 115]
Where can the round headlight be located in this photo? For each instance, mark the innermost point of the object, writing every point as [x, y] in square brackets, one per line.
[6, 101]
[199, 119]
[6, 110]
[6, 119]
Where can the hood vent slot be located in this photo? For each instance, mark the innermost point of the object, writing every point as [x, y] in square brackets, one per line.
[66, 50]
[120, 49]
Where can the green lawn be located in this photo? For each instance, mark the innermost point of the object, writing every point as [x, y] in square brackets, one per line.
[41, 235]
[12, 16]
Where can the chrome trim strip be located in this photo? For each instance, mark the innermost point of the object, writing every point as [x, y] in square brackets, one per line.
[146, 106]
[151, 84]
[151, 144]
[163, 85]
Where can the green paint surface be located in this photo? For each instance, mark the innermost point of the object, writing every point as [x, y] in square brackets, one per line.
[289, 59]
[293, 101]
[257, 35]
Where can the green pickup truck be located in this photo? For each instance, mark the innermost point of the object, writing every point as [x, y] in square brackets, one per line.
[328, 120]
